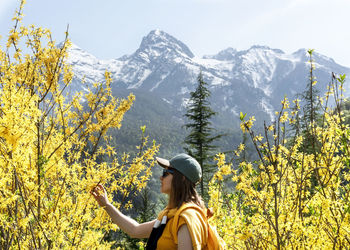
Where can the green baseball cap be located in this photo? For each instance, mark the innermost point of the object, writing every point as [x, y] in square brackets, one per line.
[185, 164]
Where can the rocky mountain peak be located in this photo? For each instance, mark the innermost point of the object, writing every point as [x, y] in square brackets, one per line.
[158, 43]
[77, 55]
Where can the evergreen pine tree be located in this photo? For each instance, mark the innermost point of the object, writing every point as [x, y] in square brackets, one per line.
[310, 111]
[198, 142]
[310, 118]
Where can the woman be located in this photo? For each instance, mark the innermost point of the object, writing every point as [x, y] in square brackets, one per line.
[182, 224]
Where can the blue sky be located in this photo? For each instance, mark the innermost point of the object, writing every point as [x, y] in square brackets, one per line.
[111, 28]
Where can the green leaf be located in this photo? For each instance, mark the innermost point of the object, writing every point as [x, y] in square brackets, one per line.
[242, 116]
[341, 78]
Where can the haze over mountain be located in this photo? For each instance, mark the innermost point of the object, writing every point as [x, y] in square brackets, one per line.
[163, 70]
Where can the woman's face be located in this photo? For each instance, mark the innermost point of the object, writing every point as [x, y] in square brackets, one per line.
[166, 183]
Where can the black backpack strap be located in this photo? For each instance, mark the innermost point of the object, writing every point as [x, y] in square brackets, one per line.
[156, 233]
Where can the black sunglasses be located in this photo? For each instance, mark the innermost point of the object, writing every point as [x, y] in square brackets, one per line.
[166, 172]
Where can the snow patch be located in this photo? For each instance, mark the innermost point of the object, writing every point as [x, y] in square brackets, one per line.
[158, 83]
[146, 73]
[234, 111]
[213, 63]
[184, 90]
[268, 108]
[167, 101]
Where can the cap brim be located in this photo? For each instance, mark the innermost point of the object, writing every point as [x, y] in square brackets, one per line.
[163, 162]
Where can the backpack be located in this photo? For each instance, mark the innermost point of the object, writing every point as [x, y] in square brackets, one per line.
[215, 242]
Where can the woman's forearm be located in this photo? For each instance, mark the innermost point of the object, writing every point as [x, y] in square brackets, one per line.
[127, 224]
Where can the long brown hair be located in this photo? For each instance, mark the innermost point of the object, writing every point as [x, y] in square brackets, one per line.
[183, 191]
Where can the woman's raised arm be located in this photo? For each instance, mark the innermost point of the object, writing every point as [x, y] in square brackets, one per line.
[127, 224]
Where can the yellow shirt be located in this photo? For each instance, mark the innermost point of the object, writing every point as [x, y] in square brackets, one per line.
[196, 223]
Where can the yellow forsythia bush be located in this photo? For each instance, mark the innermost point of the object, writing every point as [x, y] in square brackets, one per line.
[49, 146]
[290, 197]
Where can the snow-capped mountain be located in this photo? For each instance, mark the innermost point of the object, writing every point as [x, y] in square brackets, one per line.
[253, 81]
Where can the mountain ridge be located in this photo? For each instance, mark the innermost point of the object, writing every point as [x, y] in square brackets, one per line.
[253, 81]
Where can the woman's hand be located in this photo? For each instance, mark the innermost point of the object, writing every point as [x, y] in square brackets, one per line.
[100, 195]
